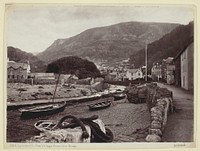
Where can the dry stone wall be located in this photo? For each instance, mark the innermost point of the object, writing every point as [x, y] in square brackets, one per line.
[160, 103]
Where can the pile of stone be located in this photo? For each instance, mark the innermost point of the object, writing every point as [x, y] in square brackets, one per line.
[137, 94]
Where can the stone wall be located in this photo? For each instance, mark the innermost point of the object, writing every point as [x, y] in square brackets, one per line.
[41, 81]
[159, 102]
[159, 115]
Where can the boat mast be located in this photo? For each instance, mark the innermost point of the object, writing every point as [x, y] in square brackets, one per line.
[146, 70]
[56, 88]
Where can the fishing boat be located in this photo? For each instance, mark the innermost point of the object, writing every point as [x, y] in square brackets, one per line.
[119, 96]
[43, 110]
[100, 105]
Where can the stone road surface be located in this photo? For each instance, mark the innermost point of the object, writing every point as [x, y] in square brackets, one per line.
[180, 124]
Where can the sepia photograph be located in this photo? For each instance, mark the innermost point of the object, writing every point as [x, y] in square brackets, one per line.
[100, 74]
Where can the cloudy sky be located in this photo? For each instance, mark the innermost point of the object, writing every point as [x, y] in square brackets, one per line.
[34, 28]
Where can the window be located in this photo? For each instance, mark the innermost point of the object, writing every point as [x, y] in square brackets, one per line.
[138, 74]
[8, 76]
[13, 76]
[22, 76]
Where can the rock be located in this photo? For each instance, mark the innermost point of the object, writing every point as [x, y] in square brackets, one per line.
[155, 122]
[155, 132]
[156, 125]
[153, 138]
[156, 110]
[161, 101]
[156, 118]
[157, 114]
[40, 87]
[22, 89]
[48, 93]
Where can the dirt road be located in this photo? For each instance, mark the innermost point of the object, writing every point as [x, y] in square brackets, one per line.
[180, 124]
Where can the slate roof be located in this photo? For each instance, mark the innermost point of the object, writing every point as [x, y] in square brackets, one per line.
[132, 70]
[16, 65]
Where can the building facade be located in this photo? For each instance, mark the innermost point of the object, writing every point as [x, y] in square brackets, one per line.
[184, 62]
[17, 72]
[156, 72]
[168, 70]
[133, 74]
[187, 67]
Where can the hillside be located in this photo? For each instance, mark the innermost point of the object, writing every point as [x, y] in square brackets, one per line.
[168, 46]
[109, 42]
[74, 65]
[18, 55]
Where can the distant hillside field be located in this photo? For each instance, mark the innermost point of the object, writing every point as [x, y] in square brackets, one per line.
[109, 42]
[168, 46]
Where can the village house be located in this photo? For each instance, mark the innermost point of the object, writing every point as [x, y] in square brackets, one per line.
[184, 63]
[168, 70]
[17, 72]
[113, 76]
[170, 74]
[133, 74]
[156, 72]
[122, 76]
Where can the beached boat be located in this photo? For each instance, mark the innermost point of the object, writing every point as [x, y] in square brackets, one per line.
[100, 105]
[47, 125]
[42, 110]
[119, 96]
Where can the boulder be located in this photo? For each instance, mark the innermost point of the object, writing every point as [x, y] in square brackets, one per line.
[156, 118]
[156, 125]
[157, 111]
[155, 132]
[153, 138]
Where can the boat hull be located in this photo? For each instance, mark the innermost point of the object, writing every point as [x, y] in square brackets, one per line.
[28, 114]
[99, 107]
[119, 97]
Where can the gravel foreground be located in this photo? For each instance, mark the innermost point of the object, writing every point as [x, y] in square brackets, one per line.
[128, 122]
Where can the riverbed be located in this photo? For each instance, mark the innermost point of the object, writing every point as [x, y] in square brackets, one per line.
[128, 122]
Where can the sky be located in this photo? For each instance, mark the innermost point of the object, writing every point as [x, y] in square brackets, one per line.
[35, 28]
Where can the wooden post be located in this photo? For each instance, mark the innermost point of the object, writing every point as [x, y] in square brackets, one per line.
[56, 88]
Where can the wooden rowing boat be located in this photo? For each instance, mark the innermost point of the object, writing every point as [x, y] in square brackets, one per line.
[119, 96]
[100, 105]
[42, 110]
[47, 125]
